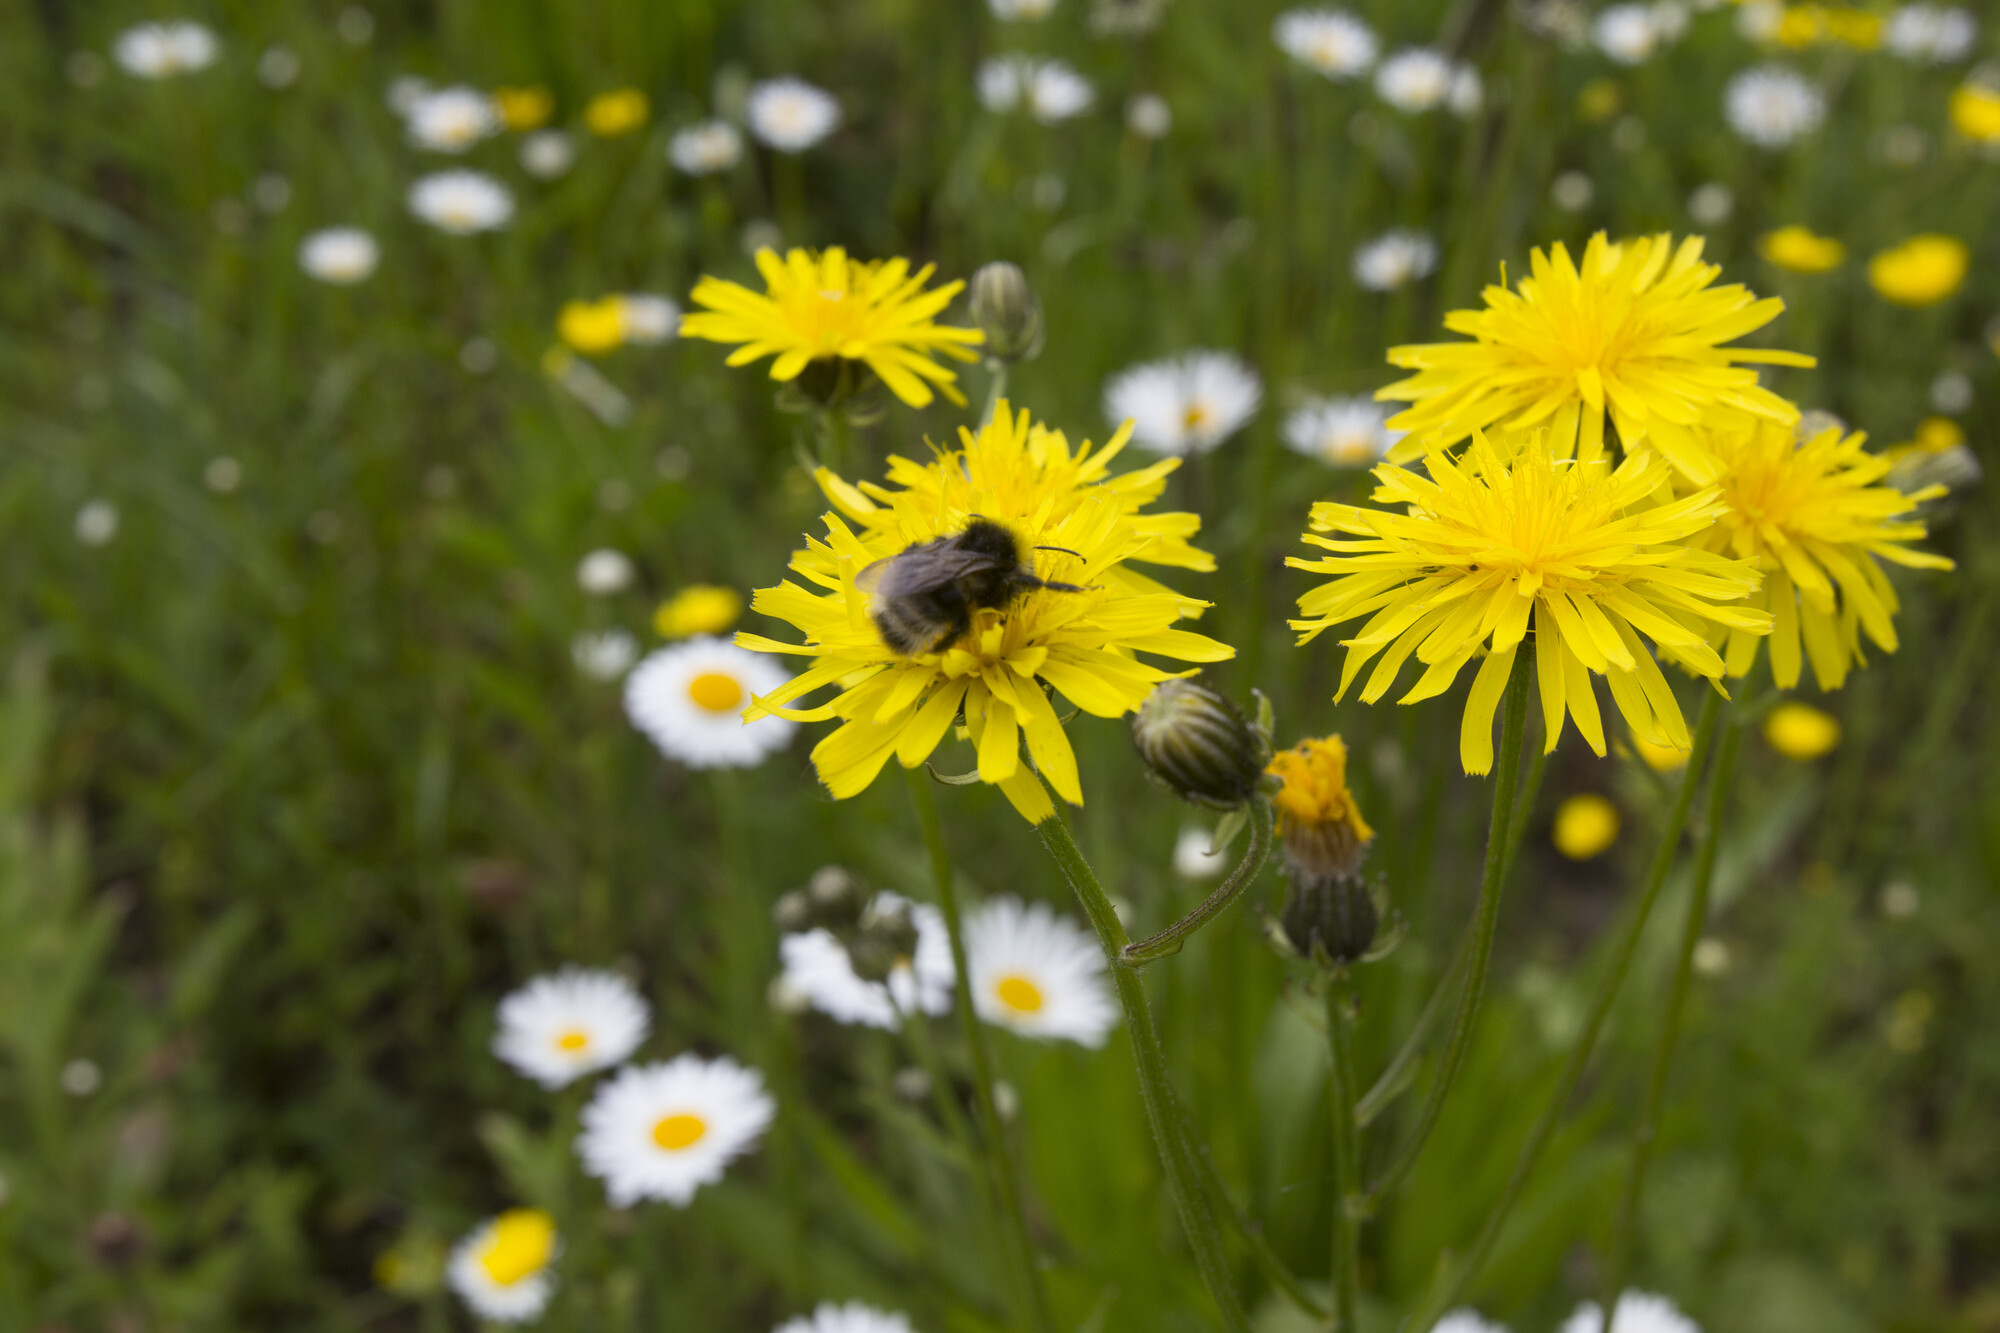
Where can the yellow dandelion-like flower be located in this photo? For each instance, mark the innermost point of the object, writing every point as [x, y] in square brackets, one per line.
[1634, 332]
[1975, 110]
[608, 115]
[592, 327]
[993, 681]
[1818, 519]
[1318, 816]
[699, 608]
[1800, 731]
[1491, 547]
[827, 307]
[1585, 826]
[1921, 271]
[1801, 250]
[524, 108]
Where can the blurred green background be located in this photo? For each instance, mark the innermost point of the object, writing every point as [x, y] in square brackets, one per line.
[297, 775]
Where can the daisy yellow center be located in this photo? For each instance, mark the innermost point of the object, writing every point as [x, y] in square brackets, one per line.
[679, 1131]
[716, 691]
[1195, 416]
[572, 1040]
[1019, 994]
[519, 1246]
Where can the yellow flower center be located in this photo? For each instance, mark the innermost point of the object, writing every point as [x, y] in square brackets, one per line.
[1019, 994]
[679, 1131]
[1195, 417]
[572, 1040]
[716, 691]
[521, 1242]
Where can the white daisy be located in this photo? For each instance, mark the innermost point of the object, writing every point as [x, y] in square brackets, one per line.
[340, 255]
[1394, 258]
[162, 50]
[1414, 79]
[705, 148]
[1186, 404]
[1466, 1321]
[1051, 91]
[1020, 11]
[1331, 41]
[646, 319]
[606, 655]
[501, 1270]
[1038, 973]
[1192, 858]
[1930, 33]
[854, 1317]
[1637, 1312]
[604, 572]
[1148, 116]
[461, 202]
[1711, 203]
[790, 114]
[1346, 432]
[1627, 33]
[570, 1023]
[689, 700]
[663, 1130]
[547, 154]
[818, 968]
[451, 120]
[1770, 105]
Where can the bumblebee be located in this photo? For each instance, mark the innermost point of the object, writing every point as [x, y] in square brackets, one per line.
[926, 595]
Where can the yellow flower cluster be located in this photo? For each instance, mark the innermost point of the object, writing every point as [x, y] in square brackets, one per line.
[1802, 26]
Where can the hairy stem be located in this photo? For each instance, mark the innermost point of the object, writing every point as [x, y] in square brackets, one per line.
[1346, 1150]
[1170, 940]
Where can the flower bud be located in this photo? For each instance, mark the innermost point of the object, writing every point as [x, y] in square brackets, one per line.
[887, 939]
[1197, 745]
[1318, 819]
[1005, 308]
[1330, 919]
[836, 897]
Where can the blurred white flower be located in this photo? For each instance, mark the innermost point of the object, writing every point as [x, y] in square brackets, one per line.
[790, 114]
[96, 522]
[1331, 41]
[1711, 203]
[1394, 258]
[559, 1027]
[1572, 191]
[340, 255]
[1192, 859]
[271, 192]
[1414, 79]
[501, 1268]
[1466, 1321]
[1148, 116]
[604, 572]
[1186, 404]
[1627, 33]
[404, 92]
[1931, 33]
[1467, 92]
[80, 1078]
[162, 50]
[689, 699]
[222, 475]
[1770, 105]
[451, 120]
[1711, 956]
[854, 1317]
[705, 148]
[663, 1130]
[818, 969]
[1758, 20]
[1051, 91]
[646, 319]
[1015, 11]
[1040, 974]
[1951, 392]
[547, 154]
[461, 202]
[277, 67]
[1345, 432]
[605, 655]
[1636, 1312]
[1670, 20]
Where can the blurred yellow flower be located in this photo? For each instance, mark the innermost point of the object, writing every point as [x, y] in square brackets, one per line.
[521, 1242]
[1077, 523]
[827, 307]
[1921, 271]
[1975, 109]
[1586, 825]
[1800, 250]
[1800, 26]
[1816, 518]
[1800, 731]
[1633, 332]
[1488, 546]
[524, 108]
[1854, 27]
[1660, 758]
[1936, 434]
[614, 113]
[1317, 815]
[699, 608]
[592, 327]
[1599, 101]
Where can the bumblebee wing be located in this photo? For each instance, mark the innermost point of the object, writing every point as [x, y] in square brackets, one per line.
[871, 575]
[923, 569]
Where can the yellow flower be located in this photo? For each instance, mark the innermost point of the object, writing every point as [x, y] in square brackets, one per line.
[521, 1243]
[1975, 109]
[826, 307]
[592, 327]
[1800, 731]
[1799, 250]
[620, 112]
[1921, 271]
[992, 681]
[1491, 547]
[1854, 27]
[1586, 825]
[1660, 758]
[1635, 333]
[1800, 26]
[1599, 101]
[1816, 519]
[1317, 815]
[524, 108]
[699, 608]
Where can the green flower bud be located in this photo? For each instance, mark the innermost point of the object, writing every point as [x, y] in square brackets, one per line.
[836, 897]
[887, 939]
[1198, 745]
[1331, 919]
[1005, 308]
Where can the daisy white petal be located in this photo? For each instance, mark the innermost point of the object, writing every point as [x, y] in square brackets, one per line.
[854, 1317]
[502, 1269]
[1189, 404]
[689, 700]
[574, 1022]
[818, 968]
[1040, 974]
[662, 1131]
[461, 202]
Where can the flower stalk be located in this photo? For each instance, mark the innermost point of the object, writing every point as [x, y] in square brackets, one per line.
[1341, 1091]
[1170, 940]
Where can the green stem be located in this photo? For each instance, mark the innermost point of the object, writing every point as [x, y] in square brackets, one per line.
[1020, 1247]
[1720, 785]
[1506, 783]
[1446, 1292]
[996, 388]
[1162, 1114]
[1267, 1259]
[1346, 1152]
[1170, 940]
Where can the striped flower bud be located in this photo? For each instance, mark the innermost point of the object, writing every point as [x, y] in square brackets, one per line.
[1198, 746]
[1005, 309]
